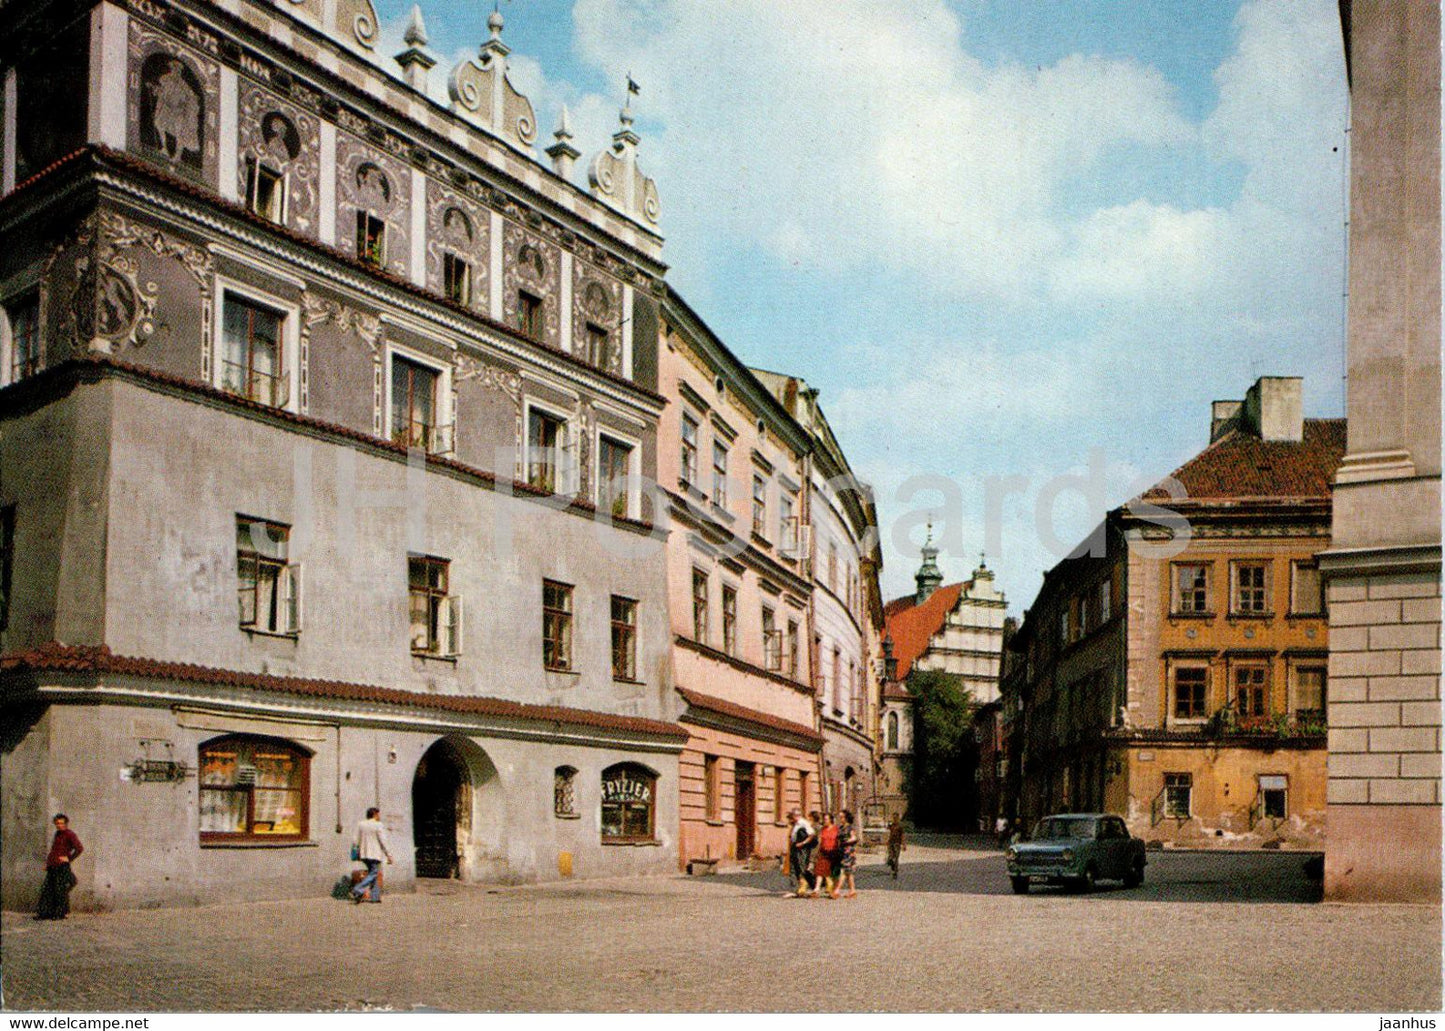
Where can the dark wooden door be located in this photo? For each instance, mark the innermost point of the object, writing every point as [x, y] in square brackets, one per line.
[435, 794]
[745, 808]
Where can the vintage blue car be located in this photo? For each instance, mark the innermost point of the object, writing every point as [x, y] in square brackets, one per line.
[1077, 849]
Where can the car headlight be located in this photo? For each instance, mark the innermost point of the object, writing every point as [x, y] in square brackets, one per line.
[1068, 855]
[1012, 854]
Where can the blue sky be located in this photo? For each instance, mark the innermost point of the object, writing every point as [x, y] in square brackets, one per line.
[1005, 239]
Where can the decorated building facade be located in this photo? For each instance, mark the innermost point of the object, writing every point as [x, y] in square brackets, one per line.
[324, 411]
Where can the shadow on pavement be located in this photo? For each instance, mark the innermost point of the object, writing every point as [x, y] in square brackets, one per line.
[1170, 877]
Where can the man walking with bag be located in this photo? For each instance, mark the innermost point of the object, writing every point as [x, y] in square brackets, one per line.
[370, 847]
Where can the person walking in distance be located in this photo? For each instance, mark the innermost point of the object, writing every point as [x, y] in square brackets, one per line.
[371, 847]
[896, 844]
[828, 856]
[848, 852]
[802, 839]
[65, 847]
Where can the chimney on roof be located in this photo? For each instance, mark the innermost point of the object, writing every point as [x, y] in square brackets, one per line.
[1274, 408]
[1223, 417]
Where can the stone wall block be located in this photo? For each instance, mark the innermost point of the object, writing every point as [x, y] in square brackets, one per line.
[1426, 661]
[1422, 764]
[1364, 664]
[1404, 739]
[1342, 740]
[1402, 792]
[1420, 610]
[1368, 765]
[1348, 792]
[1366, 714]
[1350, 639]
[1404, 689]
[1364, 613]
[1420, 714]
[1409, 635]
[1406, 585]
[1349, 689]
[1346, 590]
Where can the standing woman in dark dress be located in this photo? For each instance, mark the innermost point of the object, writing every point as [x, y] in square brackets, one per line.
[59, 878]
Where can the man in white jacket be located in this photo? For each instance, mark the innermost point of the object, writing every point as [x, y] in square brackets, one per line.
[370, 849]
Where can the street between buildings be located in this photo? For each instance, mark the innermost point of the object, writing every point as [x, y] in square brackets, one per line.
[1206, 932]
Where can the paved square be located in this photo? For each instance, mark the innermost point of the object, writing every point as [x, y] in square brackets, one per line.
[1206, 932]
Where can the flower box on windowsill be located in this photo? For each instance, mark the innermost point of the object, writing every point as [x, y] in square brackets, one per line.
[640, 842]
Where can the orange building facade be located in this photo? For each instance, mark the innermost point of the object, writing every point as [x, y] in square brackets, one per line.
[1179, 676]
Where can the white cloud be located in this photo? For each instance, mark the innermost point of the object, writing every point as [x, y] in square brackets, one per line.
[869, 131]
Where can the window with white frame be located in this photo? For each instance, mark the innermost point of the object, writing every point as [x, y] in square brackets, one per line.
[688, 454]
[556, 625]
[772, 641]
[1273, 802]
[1191, 588]
[530, 321]
[624, 638]
[1251, 588]
[787, 522]
[1178, 789]
[719, 474]
[416, 401]
[1191, 692]
[371, 239]
[550, 465]
[792, 646]
[265, 191]
[268, 584]
[436, 613]
[699, 606]
[23, 314]
[614, 471]
[730, 619]
[1251, 690]
[253, 355]
[456, 278]
[760, 505]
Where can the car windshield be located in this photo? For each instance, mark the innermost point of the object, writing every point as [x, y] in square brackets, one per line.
[1065, 827]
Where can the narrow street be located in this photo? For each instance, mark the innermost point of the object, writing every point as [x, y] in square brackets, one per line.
[1206, 932]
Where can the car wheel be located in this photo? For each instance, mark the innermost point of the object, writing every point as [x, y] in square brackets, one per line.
[1086, 883]
[1020, 885]
[1135, 876]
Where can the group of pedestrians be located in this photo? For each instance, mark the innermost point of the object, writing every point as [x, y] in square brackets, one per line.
[823, 854]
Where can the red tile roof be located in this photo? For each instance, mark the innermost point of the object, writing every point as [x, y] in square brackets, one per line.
[1239, 465]
[912, 626]
[60, 658]
[726, 708]
[897, 692]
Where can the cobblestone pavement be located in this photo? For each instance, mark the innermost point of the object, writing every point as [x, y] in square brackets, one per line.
[1206, 932]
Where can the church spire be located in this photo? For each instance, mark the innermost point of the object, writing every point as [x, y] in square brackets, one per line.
[928, 578]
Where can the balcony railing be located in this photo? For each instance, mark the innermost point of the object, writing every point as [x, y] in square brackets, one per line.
[274, 391]
[434, 440]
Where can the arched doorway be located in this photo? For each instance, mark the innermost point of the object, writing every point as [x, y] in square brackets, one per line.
[440, 810]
